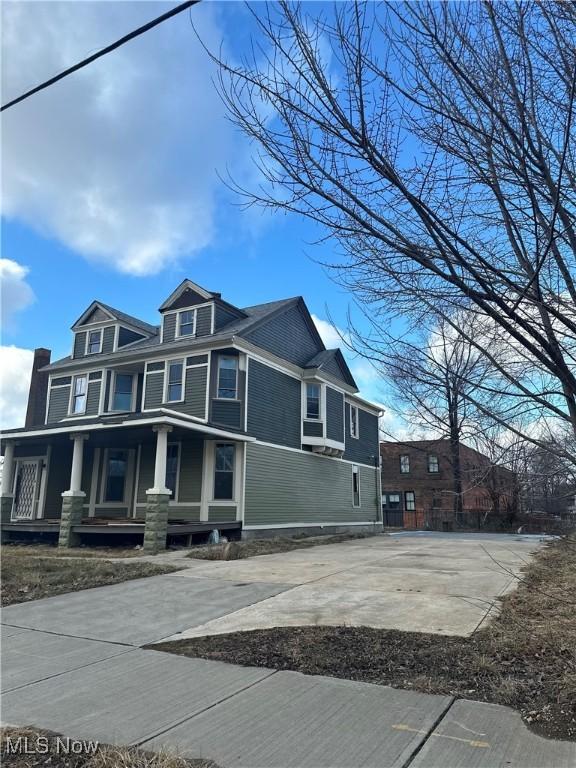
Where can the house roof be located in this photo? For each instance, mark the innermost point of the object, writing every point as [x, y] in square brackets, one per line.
[322, 359]
[117, 314]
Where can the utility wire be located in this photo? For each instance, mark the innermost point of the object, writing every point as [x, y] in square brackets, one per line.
[103, 52]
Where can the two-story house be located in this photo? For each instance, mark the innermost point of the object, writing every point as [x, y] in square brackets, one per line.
[220, 417]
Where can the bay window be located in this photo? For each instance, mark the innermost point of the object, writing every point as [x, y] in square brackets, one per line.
[312, 401]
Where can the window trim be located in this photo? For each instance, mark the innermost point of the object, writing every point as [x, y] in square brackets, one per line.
[169, 363]
[386, 505]
[406, 508]
[356, 473]
[175, 491]
[71, 411]
[233, 499]
[87, 352]
[404, 456]
[125, 502]
[320, 401]
[237, 370]
[179, 334]
[112, 392]
[357, 435]
[433, 471]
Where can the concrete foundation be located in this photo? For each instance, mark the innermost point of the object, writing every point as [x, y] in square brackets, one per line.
[72, 507]
[156, 522]
[317, 530]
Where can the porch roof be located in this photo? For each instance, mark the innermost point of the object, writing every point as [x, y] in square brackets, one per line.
[128, 421]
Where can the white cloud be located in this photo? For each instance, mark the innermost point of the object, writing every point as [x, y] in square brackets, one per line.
[15, 293]
[330, 334]
[15, 373]
[117, 161]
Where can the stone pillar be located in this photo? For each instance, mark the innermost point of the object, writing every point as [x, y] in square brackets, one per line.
[6, 497]
[157, 498]
[73, 499]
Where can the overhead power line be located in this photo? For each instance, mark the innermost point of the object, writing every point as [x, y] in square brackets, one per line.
[130, 36]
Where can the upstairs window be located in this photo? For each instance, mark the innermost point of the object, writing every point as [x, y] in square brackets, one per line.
[355, 486]
[354, 421]
[122, 399]
[227, 378]
[174, 384]
[405, 464]
[312, 401]
[94, 342]
[224, 459]
[79, 394]
[433, 465]
[187, 322]
[409, 501]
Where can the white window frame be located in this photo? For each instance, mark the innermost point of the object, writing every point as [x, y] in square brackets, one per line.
[433, 471]
[355, 433]
[71, 411]
[402, 470]
[174, 497]
[356, 473]
[237, 368]
[321, 400]
[182, 361]
[113, 391]
[87, 344]
[192, 335]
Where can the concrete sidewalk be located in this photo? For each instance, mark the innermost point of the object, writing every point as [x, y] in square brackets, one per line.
[253, 718]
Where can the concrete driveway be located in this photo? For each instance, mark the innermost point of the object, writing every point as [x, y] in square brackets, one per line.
[441, 583]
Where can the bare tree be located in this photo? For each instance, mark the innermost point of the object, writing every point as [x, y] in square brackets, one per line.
[434, 143]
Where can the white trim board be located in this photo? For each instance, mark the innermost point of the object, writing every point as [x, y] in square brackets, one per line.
[307, 525]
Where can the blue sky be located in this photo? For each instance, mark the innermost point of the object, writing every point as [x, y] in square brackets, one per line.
[111, 181]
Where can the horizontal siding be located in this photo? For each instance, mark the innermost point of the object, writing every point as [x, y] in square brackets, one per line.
[154, 390]
[227, 413]
[331, 366]
[334, 415]
[169, 332]
[190, 514]
[93, 398]
[365, 448]
[58, 479]
[194, 393]
[299, 488]
[191, 457]
[224, 316]
[288, 336]
[197, 360]
[103, 511]
[59, 399]
[108, 340]
[273, 405]
[145, 472]
[313, 429]
[204, 321]
[79, 344]
[218, 514]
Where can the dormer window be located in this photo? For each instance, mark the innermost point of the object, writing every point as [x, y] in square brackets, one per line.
[187, 322]
[94, 342]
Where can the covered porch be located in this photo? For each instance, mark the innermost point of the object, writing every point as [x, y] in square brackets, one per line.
[142, 480]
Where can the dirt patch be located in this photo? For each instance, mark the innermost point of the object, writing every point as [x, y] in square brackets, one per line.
[238, 550]
[526, 658]
[32, 748]
[44, 550]
[29, 577]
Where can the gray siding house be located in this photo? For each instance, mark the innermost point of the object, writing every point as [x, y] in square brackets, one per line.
[220, 417]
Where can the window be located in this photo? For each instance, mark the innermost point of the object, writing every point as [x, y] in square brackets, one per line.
[94, 344]
[224, 455]
[312, 401]
[393, 501]
[405, 464]
[227, 377]
[116, 475]
[172, 461]
[79, 394]
[122, 399]
[409, 501]
[174, 388]
[354, 421]
[187, 322]
[433, 463]
[355, 486]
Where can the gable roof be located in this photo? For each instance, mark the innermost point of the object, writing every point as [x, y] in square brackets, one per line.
[187, 285]
[116, 314]
[323, 361]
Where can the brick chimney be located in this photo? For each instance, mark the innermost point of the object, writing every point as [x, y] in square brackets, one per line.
[36, 411]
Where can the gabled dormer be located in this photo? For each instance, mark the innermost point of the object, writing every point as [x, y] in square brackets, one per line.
[101, 329]
[192, 312]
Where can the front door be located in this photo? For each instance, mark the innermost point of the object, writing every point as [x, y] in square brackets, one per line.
[27, 489]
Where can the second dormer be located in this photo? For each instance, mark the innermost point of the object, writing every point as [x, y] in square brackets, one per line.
[192, 312]
[101, 330]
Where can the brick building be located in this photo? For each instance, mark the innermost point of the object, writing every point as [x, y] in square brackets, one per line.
[418, 485]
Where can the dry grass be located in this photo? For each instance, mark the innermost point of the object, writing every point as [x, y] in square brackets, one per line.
[525, 658]
[104, 756]
[238, 550]
[44, 550]
[29, 577]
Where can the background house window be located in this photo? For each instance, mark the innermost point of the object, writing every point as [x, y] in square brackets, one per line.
[312, 401]
[224, 454]
[355, 486]
[172, 460]
[409, 501]
[354, 421]
[122, 400]
[227, 377]
[187, 322]
[433, 463]
[393, 501]
[405, 464]
[175, 372]
[79, 396]
[94, 342]
[116, 475]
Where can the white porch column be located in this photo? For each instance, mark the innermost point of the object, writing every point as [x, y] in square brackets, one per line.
[77, 457]
[8, 469]
[162, 431]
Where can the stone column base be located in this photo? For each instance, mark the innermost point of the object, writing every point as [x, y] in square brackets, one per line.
[72, 504]
[156, 522]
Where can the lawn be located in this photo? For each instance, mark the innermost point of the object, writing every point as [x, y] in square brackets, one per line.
[525, 658]
[43, 749]
[28, 574]
[238, 550]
